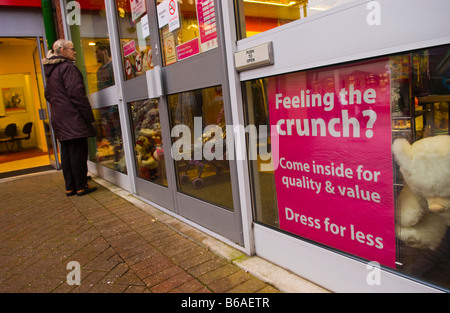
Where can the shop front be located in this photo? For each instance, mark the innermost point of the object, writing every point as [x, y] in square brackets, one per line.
[349, 90]
[27, 143]
[276, 127]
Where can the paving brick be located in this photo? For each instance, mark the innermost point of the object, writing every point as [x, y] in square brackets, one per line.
[250, 286]
[218, 274]
[189, 254]
[152, 265]
[173, 282]
[130, 279]
[208, 266]
[163, 275]
[108, 288]
[137, 289]
[202, 257]
[230, 282]
[191, 286]
[120, 248]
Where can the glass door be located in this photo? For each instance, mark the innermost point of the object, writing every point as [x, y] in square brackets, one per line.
[191, 55]
[146, 113]
[173, 78]
[23, 111]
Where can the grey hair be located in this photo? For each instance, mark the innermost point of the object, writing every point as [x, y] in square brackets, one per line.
[59, 45]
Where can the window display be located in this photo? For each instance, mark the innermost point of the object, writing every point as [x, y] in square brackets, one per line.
[91, 41]
[135, 41]
[148, 142]
[256, 16]
[198, 123]
[186, 28]
[331, 147]
[108, 147]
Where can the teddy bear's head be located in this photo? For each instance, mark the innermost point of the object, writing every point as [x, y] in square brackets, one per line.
[141, 145]
[145, 148]
[425, 166]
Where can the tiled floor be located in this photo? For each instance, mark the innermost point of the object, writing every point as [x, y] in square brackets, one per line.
[23, 164]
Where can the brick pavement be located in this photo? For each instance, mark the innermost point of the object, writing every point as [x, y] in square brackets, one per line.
[120, 248]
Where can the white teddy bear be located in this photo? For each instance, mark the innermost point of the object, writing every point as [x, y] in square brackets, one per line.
[424, 201]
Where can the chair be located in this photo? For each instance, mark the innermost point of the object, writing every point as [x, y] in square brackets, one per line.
[26, 132]
[10, 134]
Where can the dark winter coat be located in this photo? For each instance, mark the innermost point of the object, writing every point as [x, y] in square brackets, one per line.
[71, 113]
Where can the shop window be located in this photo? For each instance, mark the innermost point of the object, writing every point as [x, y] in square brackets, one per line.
[106, 148]
[187, 28]
[256, 16]
[333, 176]
[199, 150]
[148, 141]
[91, 41]
[135, 42]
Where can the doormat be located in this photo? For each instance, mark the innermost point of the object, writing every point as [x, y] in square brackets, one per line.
[27, 171]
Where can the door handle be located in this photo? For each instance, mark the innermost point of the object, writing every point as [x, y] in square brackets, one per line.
[154, 82]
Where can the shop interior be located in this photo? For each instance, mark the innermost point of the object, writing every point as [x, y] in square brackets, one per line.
[262, 15]
[22, 148]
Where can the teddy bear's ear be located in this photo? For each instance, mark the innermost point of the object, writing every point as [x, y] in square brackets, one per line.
[402, 152]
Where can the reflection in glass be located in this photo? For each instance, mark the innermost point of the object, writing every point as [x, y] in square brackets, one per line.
[202, 176]
[420, 97]
[264, 192]
[148, 142]
[91, 41]
[426, 80]
[257, 16]
[105, 73]
[134, 36]
[107, 150]
[192, 31]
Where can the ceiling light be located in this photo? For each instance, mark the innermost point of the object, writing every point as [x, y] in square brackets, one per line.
[272, 3]
[318, 9]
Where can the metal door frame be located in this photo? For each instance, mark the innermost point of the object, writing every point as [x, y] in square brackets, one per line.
[44, 113]
[135, 90]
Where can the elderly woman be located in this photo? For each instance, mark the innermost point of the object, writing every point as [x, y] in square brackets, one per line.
[71, 115]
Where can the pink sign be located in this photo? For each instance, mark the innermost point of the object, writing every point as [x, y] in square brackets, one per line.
[188, 49]
[206, 15]
[129, 48]
[333, 172]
